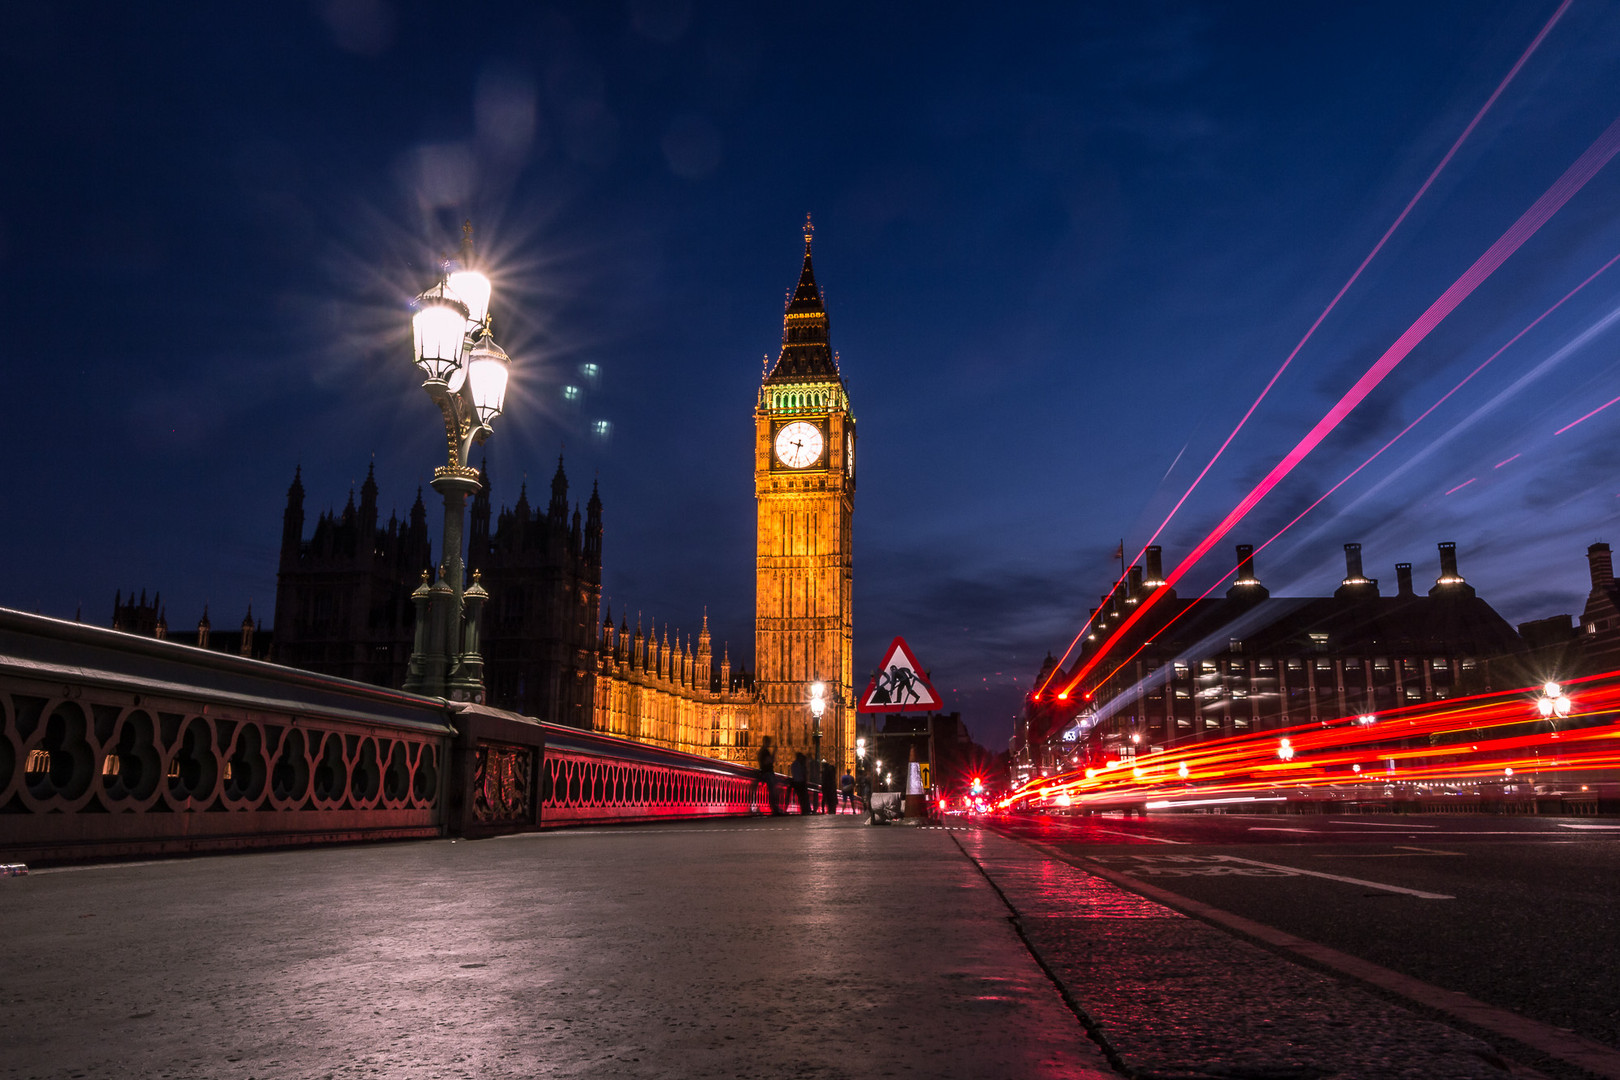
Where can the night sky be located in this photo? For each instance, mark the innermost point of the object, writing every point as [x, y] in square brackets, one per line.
[1064, 247]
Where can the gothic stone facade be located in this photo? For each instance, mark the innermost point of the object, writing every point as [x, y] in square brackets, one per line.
[343, 602]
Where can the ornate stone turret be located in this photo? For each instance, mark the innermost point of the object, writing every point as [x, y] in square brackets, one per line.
[806, 352]
[368, 506]
[292, 519]
[593, 528]
[558, 511]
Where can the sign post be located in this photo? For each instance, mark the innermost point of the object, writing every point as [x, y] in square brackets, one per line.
[898, 686]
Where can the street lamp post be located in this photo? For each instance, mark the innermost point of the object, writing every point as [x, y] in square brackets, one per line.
[818, 706]
[1553, 704]
[465, 375]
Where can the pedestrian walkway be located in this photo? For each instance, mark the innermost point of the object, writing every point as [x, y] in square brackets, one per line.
[769, 947]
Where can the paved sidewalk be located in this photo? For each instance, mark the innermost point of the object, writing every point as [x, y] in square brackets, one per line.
[757, 948]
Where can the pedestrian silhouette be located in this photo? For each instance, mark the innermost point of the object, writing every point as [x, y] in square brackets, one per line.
[767, 774]
[801, 786]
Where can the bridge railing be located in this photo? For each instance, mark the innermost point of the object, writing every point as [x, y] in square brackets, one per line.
[115, 744]
[112, 744]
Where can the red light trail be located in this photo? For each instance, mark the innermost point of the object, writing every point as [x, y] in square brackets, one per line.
[1379, 246]
[1588, 416]
[1551, 201]
[1375, 455]
[1485, 737]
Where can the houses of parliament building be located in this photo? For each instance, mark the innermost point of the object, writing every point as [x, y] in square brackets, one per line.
[343, 592]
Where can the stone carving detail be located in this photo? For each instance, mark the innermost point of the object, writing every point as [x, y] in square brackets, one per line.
[503, 783]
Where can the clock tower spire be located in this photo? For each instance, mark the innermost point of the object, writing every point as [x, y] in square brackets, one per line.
[804, 489]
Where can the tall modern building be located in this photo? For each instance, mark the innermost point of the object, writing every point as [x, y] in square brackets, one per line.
[804, 489]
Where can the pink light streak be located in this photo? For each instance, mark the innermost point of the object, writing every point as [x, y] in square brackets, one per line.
[1516, 457]
[1552, 200]
[1400, 218]
[1588, 416]
[1462, 485]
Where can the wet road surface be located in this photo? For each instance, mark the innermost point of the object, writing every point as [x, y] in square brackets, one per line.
[1519, 913]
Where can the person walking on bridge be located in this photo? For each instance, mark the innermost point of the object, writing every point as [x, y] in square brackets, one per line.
[767, 774]
[801, 786]
[829, 788]
[847, 787]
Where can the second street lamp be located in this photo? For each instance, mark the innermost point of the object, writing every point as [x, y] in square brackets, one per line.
[818, 706]
[465, 375]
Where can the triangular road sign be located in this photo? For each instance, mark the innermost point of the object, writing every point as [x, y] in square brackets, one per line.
[899, 685]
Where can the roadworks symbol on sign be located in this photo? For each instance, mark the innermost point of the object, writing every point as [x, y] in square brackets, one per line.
[899, 685]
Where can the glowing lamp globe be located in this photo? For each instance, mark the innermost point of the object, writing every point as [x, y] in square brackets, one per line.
[487, 369]
[473, 289]
[440, 323]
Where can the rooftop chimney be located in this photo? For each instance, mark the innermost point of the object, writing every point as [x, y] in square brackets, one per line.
[1245, 573]
[1246, 584]
[1355, 583]
[1602, 566]
[1133, 586]
[1450, 582]
[1155, 567]
[1352, 563]
[1403, 578]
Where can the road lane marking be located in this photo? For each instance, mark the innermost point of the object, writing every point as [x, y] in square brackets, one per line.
[1224, 865]
[1571, 825]
[1279, 828]
[1139, 836]
[1116, 832]
[1383, 824]
[1419, 893]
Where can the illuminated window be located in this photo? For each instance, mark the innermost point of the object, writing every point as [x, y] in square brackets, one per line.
[570, 393]
[1381, 663]
[602, 428]
[1467, 663]
[1324, 665]
[589, 370]
[1296, 665]
[1440, 663]
[1207, 667]
[1266, 665]
[1181, 670]
[1414, 693]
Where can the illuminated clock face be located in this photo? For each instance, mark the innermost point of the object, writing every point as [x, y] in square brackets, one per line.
[798, 444]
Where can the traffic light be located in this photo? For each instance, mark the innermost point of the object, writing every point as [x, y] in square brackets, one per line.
[977, 786]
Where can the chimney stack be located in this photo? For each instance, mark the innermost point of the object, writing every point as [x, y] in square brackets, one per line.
[1352, 563]
[1155, 567]
[1246, 585]
[1133, 587]
[1403, 578]
[1602, 564]
[1448, 561]
[1450, 582]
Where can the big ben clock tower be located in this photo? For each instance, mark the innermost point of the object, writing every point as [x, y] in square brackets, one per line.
[804, 485]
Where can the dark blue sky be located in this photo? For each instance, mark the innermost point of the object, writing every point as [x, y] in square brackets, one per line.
[1063, 248]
